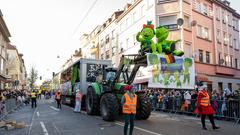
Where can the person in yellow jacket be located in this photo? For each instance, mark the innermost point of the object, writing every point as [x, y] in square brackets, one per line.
[129, 106]
[34, 98]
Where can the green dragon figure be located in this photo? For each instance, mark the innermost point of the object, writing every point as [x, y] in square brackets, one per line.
[187, 64]
[177, 78]
[166, 77]
[145, 38]
[153, 59]
[166, 46]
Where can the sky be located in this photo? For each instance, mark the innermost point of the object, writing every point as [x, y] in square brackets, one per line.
[43, 29]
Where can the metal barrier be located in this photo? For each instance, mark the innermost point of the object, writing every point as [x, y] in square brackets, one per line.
[224, 109]
[8, 106]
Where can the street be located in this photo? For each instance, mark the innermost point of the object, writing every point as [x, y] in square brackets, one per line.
[48, 120]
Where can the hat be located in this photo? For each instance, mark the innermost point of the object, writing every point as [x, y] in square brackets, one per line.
[128, 87]
[77, 90]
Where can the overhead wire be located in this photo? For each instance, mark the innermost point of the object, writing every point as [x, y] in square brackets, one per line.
[85, 16]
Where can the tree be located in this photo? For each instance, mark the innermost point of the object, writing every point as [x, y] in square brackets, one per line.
[33, 75]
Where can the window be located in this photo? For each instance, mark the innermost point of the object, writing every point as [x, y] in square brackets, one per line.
[234, 43]
[205, 9]
[187, 50]
[199, 30]
[107, 54]
[198, 6]
[107, 39]
[168, 21]
[229, 19]
[127, 22]
[230, 86]
[226, 59]
[113, 34]
[206, 33]
[231, 60]
[203, 32]
[102, 56]
[220, 86]
[235, 24]
[6, 71]
[101, 43]
[201, 56]
[220, 60]
[114, 50]
[134, 17]
[218, 36]
[225, 38]
[135, 42]
[202, 8]
[218, 13]
[230, 40]
[236, 63]
[186, 23]
[207, 57]
[223, 17]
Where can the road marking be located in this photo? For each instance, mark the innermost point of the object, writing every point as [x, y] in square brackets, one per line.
[54, 108]
[141, 129]
[57, 130]
[38, 114]
[44, 128]
[30, 126]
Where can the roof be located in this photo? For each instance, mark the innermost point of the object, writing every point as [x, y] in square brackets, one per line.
[221, 3]
[11, 47]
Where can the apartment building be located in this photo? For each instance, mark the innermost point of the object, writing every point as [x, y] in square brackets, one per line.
[4, 40]
[15, 68]
[90, 43]
[209, 34]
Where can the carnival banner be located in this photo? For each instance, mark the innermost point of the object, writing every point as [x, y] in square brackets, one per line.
[179, 74]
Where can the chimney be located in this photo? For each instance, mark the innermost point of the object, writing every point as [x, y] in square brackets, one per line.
[127, 6]
[226, 2]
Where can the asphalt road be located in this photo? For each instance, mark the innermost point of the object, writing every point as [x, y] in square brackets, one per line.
[46, 119]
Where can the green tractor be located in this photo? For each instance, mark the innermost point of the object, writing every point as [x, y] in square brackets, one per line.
[104, 95]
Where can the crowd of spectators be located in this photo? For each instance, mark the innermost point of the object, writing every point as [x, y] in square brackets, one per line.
[226, 103]
[19, 97]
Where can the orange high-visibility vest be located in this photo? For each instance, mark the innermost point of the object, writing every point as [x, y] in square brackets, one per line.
[58, 96]
[205, 101]
[129, 107]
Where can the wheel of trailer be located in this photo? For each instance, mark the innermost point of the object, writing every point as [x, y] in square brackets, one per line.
[109, 107]
[92, 102]
[144, 107]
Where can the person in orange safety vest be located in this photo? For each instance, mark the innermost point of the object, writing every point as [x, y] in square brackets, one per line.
[129, 106]
[58, 97]
[204, 107]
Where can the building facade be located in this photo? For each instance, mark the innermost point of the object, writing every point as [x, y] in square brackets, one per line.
[4, 40]
[15, 68]
[209, 34]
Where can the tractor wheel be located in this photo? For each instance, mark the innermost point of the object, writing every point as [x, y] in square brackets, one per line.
[109, 107]
[144, 107]
[92, 102]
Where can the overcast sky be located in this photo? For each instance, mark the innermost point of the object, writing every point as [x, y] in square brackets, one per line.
[44, 29]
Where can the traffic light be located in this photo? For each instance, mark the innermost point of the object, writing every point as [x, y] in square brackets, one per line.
[40, 77]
